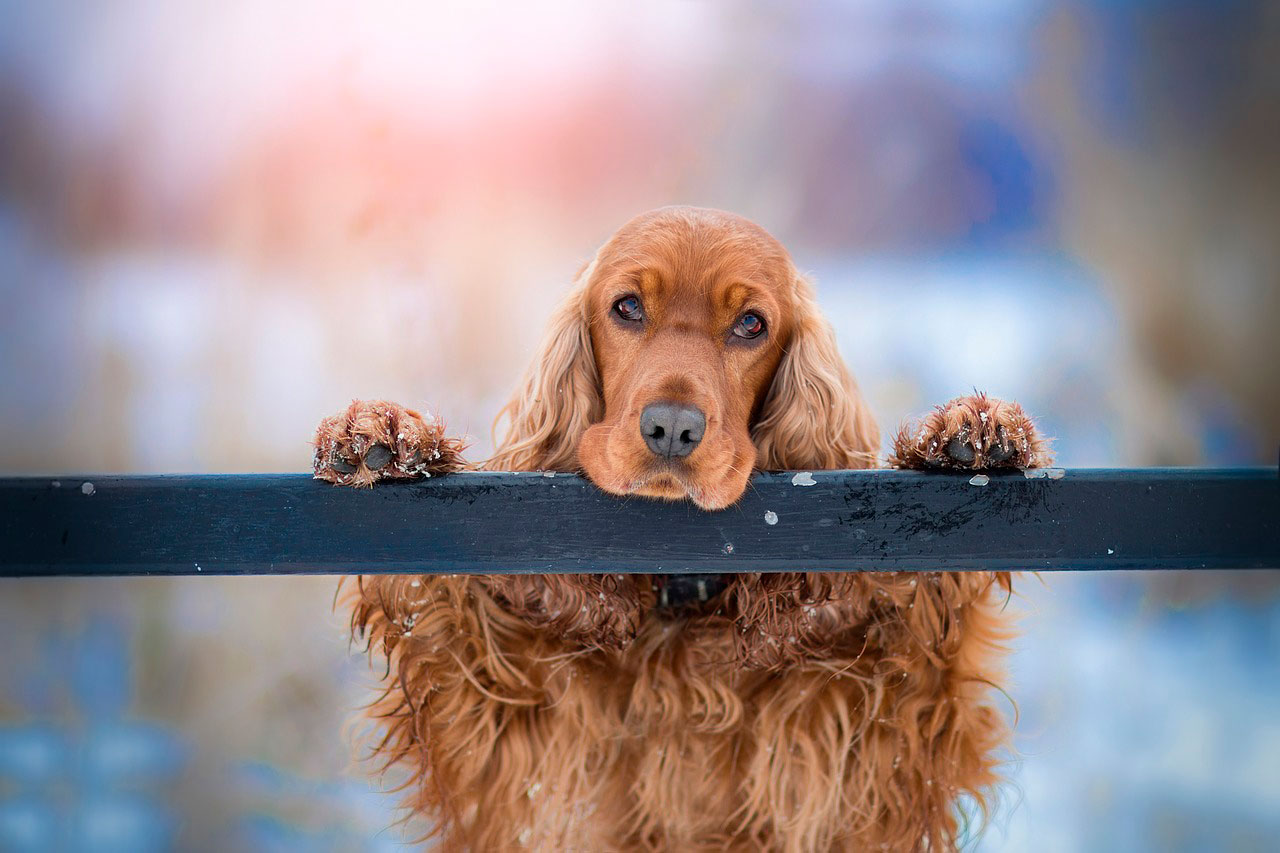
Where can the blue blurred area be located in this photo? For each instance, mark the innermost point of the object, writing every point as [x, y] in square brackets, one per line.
[1142, 726]
[268, 829]
[81, 775]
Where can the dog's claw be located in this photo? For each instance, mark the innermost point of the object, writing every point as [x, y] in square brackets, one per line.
[341, 465]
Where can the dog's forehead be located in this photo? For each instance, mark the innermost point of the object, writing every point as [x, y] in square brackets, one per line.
[693, 231]
[700, 251]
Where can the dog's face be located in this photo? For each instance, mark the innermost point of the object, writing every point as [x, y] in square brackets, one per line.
[690, 353]
[688, 317]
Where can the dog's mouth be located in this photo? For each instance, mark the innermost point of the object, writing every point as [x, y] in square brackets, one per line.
[682, 594]
[676, 483]
[665, 481]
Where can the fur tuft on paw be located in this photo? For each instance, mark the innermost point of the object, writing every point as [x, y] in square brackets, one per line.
[976, 432]
[374, 440]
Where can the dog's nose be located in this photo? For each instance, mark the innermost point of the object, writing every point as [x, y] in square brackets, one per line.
[672, 429]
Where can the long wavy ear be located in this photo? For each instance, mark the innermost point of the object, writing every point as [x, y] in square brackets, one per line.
[559, 396]
[813, 416]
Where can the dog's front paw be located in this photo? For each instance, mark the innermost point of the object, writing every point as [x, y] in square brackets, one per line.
[974, 432]
[374, 440]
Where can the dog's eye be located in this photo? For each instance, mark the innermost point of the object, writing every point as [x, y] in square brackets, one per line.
[628, 308]
[749, 326]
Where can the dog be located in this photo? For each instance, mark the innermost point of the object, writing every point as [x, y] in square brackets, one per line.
[793, 711]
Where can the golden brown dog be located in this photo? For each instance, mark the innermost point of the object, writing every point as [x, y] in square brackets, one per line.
[789, 711]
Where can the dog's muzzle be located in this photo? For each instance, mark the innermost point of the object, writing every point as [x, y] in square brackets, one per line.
[688, 592]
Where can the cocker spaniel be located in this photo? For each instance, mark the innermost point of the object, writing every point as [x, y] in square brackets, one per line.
[789, 711]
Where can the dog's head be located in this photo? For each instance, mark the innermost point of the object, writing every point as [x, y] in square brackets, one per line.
[689, 353]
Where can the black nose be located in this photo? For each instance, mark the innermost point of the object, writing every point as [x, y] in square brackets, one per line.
[672, 429]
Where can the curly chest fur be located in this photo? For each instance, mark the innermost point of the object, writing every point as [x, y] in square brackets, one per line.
[727, 730]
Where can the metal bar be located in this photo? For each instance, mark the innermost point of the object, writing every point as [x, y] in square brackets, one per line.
[844, 521]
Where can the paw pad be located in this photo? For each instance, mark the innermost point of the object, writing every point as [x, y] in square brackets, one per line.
[378, 457]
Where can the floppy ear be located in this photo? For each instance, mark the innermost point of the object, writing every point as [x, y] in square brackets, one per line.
[813, 416]
[559, 396]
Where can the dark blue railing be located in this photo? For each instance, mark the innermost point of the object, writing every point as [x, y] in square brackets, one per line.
[483, 522]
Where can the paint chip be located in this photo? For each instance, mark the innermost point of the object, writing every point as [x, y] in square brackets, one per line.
[771, 517]
[804, 478]
[88, 488]
[979, 480]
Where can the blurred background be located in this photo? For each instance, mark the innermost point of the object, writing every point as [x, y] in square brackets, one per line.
[220, 222]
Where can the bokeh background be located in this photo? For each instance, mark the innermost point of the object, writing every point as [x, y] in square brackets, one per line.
[220, 222]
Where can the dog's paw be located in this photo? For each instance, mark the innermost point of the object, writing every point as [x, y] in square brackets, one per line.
[374, 440]
[974, 432]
